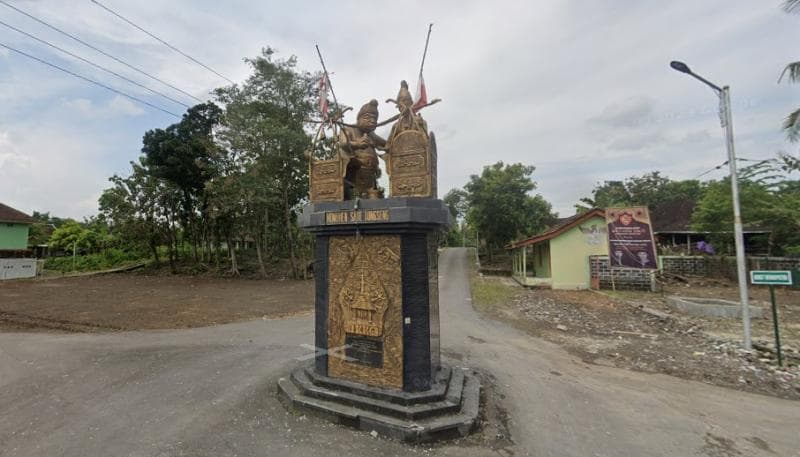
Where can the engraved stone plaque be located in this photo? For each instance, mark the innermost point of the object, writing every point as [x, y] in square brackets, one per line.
[364, 350]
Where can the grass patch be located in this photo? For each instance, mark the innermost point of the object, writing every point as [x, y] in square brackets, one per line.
[487, 291]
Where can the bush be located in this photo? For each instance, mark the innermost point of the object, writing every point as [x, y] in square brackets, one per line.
[109, 258]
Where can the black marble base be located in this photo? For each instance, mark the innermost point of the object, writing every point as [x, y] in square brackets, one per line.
[449, 409]
[417, 221]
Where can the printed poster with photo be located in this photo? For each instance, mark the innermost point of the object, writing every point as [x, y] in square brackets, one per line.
[630, 238]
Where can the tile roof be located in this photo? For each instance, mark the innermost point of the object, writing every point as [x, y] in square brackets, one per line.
[561, 226]
[9, 214]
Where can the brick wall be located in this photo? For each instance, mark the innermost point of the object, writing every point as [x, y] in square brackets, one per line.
[627, 279]
[707, 266]
[723, 267]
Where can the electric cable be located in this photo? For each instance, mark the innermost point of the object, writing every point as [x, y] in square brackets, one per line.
[99, 50]
[161, 41]
[94, 64]
[132, 97]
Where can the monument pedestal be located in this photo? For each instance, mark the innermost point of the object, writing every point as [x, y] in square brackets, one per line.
[377, 363]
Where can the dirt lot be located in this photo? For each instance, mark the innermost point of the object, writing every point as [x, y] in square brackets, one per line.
[137, 301]
[639, 331]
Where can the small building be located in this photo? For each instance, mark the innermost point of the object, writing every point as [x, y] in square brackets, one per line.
[672, 230]
[14, 228]
[558, 258]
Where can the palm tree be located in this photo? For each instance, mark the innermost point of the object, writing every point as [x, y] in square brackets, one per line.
[792, 71]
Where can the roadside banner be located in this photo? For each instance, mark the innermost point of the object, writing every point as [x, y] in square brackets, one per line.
[630, 238]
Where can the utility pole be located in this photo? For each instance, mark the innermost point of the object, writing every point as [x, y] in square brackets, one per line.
[741, 266]
[724, 94]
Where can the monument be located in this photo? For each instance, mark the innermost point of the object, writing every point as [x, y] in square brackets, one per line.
[377, 364]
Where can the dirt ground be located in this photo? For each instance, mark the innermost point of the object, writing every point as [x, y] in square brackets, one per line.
[133, 301]
[639, 331]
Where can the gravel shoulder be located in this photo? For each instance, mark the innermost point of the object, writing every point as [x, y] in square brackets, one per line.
[638, 331]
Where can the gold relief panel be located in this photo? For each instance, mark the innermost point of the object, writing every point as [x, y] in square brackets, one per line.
[326, 181]
[326, 192]
[365, 310]
[411, 164]
[327, 169]
[411, 186]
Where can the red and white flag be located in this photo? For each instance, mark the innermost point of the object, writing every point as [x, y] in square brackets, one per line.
[422, 94]
[323, 97]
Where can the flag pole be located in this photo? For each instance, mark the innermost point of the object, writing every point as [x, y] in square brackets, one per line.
[327, 77]
[425, 52]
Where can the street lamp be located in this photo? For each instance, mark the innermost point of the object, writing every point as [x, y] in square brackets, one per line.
[724, 95]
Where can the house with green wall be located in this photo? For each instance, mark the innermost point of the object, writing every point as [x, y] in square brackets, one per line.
[14, 228]
[558, 258]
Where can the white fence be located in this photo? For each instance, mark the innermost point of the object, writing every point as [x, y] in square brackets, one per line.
[17, 268]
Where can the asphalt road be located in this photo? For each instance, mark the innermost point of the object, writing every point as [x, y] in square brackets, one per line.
[211, 392]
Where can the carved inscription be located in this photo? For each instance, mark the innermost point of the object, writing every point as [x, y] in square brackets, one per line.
[364, 350]
[357, 216]
[410, 185]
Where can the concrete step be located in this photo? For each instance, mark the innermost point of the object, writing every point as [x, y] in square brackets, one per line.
[413, 411]
[450, 425]
[436, 393]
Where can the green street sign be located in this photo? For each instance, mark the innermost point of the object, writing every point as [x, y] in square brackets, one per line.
[771, 277]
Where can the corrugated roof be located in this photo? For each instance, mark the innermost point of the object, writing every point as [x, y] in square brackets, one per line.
[561, 226]
[675, 216]
[9, 214]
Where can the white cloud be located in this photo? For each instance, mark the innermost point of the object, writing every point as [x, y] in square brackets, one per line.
[118, 106]
[47, 169]
[10, 157]
[628, 113]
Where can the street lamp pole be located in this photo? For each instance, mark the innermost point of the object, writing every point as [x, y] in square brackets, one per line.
[724, 95]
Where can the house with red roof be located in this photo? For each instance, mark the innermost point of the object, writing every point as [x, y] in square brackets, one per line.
[14, 228]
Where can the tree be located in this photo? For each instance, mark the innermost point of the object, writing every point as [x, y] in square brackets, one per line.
[264, 137]
[71, 236]
[500, 206]
[457, 201]
[651, 190]
[792, 71]
[43, 227]
[770, 198]
[135, 212]
[184, 155]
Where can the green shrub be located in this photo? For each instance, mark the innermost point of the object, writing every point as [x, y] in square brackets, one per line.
[109, 258]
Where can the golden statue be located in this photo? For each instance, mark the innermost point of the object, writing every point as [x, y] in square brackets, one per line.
[409, 120]
[358, 146]
[351, 169]
[411, 151]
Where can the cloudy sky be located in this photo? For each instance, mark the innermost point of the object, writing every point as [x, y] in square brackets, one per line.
[580, 89]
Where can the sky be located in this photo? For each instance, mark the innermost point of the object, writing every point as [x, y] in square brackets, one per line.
[581, 90]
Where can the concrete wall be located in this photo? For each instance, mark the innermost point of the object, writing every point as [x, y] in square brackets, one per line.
[570, 252]
[13, 236]
[17, 268]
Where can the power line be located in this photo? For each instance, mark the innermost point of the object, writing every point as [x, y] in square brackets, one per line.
[88, 80]
[94, 64]
[161, 41]
[99, 50]
[712, 169]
